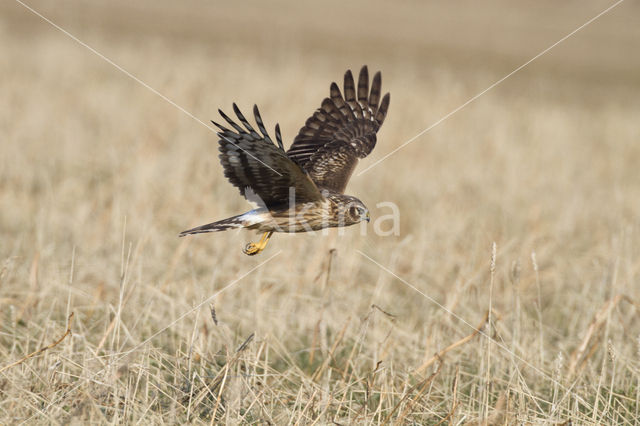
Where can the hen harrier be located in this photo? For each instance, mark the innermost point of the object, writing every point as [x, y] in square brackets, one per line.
[302, 189]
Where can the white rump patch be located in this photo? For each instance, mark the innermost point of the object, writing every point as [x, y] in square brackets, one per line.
[251, 218]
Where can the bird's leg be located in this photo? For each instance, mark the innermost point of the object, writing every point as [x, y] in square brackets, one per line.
[254, 248]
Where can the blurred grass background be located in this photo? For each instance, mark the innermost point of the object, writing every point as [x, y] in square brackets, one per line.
[98, 175]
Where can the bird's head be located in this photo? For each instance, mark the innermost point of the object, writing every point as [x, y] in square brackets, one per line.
[357, 212]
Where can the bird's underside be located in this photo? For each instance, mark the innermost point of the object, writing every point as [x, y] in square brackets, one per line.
[300, 217]
[302, 189]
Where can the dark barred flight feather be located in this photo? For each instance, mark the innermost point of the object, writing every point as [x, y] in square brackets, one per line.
[341, 131]
[253, 161]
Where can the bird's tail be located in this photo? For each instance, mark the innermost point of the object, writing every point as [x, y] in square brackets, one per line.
[221, 225]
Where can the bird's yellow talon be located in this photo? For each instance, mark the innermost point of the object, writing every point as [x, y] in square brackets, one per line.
[251, 249]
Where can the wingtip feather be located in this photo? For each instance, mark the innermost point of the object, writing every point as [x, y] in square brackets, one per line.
[382, 111]
[363, 85]
[374, 97]
[279, 137]
[349, 87]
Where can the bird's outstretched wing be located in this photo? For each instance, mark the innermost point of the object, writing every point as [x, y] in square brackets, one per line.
[341, 131]
[252, 161]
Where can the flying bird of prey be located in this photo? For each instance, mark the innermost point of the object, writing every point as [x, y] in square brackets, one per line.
[302, 189]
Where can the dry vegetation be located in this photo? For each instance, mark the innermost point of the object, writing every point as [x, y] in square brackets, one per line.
[98, 175]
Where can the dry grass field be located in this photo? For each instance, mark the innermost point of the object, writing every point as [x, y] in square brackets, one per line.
[99, 174]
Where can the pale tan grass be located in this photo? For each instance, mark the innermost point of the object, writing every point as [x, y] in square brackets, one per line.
[98, 175]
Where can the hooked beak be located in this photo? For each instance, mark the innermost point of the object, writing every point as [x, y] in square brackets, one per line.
[368, 217]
